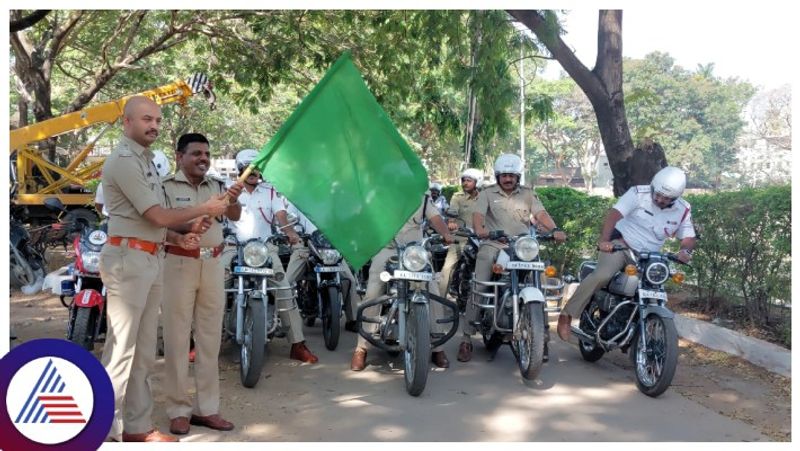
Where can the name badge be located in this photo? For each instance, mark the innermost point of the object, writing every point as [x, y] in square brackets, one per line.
[183, 199]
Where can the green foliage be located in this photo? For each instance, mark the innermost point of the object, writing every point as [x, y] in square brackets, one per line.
[744, 256]
[580, 216]
[449, 190]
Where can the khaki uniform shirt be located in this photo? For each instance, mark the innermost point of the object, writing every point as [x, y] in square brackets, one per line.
[510, 213]
[131, 186]
[412, 229]
[462, 205]
[181, 193]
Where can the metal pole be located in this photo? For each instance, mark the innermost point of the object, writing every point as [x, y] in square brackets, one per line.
[522, 111]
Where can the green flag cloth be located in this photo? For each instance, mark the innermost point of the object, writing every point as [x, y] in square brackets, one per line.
[340, 160]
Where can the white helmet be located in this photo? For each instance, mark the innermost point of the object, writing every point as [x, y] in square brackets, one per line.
[436, 186]
[474, 174]
[161, 162]
[669, 182]
[508, 163]
[244, 158]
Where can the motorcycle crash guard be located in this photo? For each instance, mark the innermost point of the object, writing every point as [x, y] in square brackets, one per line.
[88, 298]
[531, 294]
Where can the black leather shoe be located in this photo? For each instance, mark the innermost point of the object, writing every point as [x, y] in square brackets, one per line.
[351, 326]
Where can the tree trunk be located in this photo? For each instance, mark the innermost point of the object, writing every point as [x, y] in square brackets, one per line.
[472, 99]
[603, 86]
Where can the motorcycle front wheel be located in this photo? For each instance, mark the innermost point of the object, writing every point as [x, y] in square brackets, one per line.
[530, 346]
[331, 313]
[252, 349]
[83, 329]
[590, 319]
[417, 352]
[656, 362]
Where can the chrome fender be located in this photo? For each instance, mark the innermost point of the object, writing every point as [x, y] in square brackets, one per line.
[531, 294]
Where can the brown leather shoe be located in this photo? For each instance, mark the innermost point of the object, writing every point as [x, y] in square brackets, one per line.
[563, 328]
[464, 352]
[179, 425]
[212, 421]
[153, 436]
[440, 359]
[300, 352]
[359, 360]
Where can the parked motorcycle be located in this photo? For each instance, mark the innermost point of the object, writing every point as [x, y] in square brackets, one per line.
[630, 312]
[251, 316]
[27, 265]
[404, 320]
[512, 307]
[460, 284]
[319, 288]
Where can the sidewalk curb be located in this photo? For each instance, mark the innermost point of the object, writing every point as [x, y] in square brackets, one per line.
[759, 352]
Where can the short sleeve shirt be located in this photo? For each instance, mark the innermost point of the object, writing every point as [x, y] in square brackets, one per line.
[510, 213]
[645, 226]
[462, 205]
[99, 199]
[258, 213]
[181, 193]
[131, 186]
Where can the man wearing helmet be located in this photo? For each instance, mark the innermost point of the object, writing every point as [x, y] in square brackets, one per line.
[509, 207]
[642, 219]
[462, 206]
[436, 197]
[261, 207]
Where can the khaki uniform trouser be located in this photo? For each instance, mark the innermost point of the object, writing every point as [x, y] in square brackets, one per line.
[608, 263]
[295, 270]
[286, 303]
[487, 254]
[376, 288]
[193, 290]
[134, 284]
[449, 264]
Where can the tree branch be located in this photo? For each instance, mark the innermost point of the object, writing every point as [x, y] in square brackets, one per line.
[28, 21]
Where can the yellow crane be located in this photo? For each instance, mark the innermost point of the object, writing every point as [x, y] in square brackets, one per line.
[37, 178]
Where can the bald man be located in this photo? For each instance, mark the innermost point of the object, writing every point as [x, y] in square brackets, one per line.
[131, 266]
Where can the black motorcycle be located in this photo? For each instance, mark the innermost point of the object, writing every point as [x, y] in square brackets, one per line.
[27, 265]
[319, 288]
[630, 312]
[460, 283]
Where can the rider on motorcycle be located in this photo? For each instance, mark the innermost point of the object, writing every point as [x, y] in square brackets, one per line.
[509, 207]
[642, 219]
[461, 206]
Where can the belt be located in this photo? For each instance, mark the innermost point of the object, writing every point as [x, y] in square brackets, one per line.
[135, 243]
[202, 252]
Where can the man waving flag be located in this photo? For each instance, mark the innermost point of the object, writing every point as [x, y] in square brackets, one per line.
[341, 161]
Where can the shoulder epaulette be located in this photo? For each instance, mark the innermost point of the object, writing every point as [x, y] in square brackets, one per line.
[642, 188]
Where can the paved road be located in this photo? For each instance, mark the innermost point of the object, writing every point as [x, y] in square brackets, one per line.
[475, 401]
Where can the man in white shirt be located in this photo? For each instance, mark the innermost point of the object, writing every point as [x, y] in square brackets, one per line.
[261, 205]
[642, 219]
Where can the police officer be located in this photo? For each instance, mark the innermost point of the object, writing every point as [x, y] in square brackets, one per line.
[299, 259]
[436, 197]
[509, 207]
[193, 291]
[411, 231]
[462, 205]
[162, 167]
[261, 207]
[642, 219]
[131, 265]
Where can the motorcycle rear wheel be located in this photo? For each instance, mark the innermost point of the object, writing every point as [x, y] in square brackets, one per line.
[655, 364]
[331, 314]
[83, 329]
[253, 346]
[530, 347]
[417, 352]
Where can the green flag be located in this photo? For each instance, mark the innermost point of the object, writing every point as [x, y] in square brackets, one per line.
[340, 160]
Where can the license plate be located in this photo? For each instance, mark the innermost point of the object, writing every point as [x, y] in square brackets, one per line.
[650, 294]
[249, 270]
[338, 268]
[532, 266]
[426, 276]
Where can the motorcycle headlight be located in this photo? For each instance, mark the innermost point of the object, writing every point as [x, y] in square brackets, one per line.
[526, 248]
[329, 256]
[656, 273]
[91, 261]
[255, 254]
[415, 258]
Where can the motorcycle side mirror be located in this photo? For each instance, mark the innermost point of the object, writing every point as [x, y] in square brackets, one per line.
[54, 203]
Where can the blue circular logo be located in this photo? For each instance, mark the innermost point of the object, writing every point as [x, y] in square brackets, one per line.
[58, 397]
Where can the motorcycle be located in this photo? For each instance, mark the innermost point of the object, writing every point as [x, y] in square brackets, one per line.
[27, 264]
[460, 284]
[319, 289]
[251, 315]
[404, 320]
[630, 313]
[515, 311]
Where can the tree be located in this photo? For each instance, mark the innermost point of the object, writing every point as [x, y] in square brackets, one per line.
[28, 21]
[603, 86]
